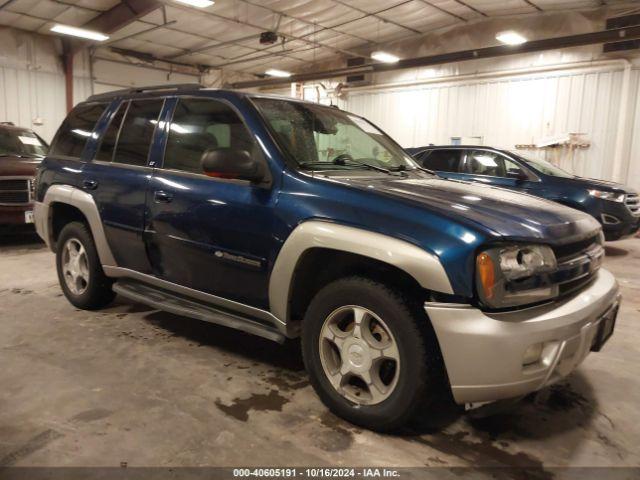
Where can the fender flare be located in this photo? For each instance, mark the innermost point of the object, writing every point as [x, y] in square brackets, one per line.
[423, 266]
[84, 202]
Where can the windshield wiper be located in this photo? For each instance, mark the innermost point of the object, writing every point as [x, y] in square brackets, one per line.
[370, 166]
[349, 163]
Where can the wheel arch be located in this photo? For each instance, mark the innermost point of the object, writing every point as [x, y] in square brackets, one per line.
[314, 243]
[65, 203]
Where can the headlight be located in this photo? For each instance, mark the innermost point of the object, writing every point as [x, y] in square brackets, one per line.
[515, 275]
[613, 196]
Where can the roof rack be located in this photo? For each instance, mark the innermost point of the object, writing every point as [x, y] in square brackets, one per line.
[130, 91]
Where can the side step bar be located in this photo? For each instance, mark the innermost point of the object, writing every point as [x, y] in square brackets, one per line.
[169, 302]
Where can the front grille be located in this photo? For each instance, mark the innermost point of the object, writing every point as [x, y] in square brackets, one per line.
[14, 185]
[632, 202]
[570, 250]
[15, 191]
[578, 263]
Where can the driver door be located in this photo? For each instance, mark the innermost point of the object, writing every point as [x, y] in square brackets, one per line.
[492, 168]
[208, 233]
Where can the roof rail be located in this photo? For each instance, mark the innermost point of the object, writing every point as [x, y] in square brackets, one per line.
[8, 123]
[129, 91]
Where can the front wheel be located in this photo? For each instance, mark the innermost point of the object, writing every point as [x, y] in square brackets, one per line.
[80, 274]
[371, 355]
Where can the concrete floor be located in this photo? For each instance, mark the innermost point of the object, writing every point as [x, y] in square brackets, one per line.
[129, 384]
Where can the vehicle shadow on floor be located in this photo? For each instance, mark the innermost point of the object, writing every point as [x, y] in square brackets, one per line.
[256, 349]
[502, 439]
[20, 241]
[615, 251]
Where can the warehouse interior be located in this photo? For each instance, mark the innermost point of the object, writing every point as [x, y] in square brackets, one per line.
[131, 386]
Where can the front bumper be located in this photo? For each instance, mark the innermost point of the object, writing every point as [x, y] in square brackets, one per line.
[617, 220]
[14, 214]
[483, 352]
[621, 230]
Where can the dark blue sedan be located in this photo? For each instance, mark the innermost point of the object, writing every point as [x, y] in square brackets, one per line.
[615, 206]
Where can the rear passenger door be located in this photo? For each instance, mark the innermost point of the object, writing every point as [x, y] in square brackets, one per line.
[118, 179]
[445, 162]
[208, 233]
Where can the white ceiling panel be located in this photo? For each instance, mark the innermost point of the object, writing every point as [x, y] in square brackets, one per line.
[419, 15]
[504, 7]
[323, 12]
[313, 29]
[555, 5]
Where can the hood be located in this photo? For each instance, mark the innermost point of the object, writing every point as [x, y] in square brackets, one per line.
[18, 166]
[504, 212]
[593, 183]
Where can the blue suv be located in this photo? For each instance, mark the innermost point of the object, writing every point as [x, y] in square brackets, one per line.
[615, 206]
[289, 219]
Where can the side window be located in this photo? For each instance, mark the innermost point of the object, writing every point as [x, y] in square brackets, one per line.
[441, 160]
[482, 162]
[200, 124]
[137, 132]
[108, 144]
[76, 130]
[512, 168]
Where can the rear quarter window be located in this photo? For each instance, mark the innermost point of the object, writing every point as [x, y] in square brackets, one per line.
[76, 129]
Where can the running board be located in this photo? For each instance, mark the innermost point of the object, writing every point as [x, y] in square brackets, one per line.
[169, 302]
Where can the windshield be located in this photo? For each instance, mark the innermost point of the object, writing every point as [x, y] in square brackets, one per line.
[21, 143]
[545, 167]
[319, 137]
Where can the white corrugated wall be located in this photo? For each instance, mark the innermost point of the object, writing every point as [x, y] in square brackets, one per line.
[518, 109]
[32, 81]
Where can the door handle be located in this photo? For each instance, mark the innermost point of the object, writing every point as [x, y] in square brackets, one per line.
[162, 197]
[90, 184]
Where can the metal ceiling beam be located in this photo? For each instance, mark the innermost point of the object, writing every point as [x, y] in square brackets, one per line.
[124, 13]
[605, 36]
[133, 35]
[531, 4]
[6, 4]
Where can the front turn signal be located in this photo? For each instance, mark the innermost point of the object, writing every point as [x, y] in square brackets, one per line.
[486, 274]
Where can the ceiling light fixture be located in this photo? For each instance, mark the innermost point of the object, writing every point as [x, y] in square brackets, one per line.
[277, 73]
[384, 57]
[79, 32]
[197, 3]
[511, 38]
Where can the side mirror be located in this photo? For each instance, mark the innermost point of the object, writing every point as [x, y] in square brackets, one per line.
[517, 174]
[231, 163]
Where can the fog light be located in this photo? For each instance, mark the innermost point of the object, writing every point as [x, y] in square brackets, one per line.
[532, 354]
[609, 219]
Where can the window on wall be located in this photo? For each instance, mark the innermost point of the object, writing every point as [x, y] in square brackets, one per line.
[108, 145]
[137, 132]
[201, 124]
[76, 129]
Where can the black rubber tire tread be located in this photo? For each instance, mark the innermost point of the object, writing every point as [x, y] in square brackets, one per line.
[422, 381]
[99, 292]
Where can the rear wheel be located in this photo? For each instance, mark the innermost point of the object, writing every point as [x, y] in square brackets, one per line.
[80, 274]
[371, 354]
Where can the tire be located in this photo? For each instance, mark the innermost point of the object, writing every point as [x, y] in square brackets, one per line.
[417, 379]
[91, 289]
